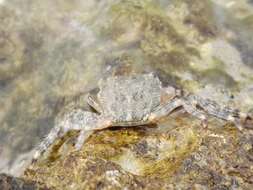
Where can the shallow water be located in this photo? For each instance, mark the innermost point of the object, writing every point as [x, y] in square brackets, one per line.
[53, 51]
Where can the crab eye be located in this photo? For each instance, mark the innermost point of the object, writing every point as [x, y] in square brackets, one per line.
[137, 96]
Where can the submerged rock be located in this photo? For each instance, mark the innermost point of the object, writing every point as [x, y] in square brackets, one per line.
[12, 48]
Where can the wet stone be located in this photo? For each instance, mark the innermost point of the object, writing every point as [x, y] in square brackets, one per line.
[152, 157]
[13, 183]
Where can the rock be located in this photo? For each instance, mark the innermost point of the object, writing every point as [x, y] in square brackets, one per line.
[12, 183]
[173, 155]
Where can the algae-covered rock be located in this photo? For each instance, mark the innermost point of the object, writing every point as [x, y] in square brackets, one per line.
[202, 17]
[150, 27]
[12, 183]
[11, 46]
[172, 155]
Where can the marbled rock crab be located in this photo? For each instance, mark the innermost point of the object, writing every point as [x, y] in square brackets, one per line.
[133, 101]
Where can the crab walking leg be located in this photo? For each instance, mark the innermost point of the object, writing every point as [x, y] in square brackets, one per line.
[101, 123]
[84, 135]
[55, 133]
[191, 108]
[75, 120]
[224, 113]
[166, 109]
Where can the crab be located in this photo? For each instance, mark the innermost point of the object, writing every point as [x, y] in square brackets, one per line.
[124, 101]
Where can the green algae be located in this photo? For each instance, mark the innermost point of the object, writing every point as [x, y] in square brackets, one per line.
[131, 7]
[154, 28]
[202, 17]
[156, 35]
[12, 48]
[163, 47]
[160, 37]
[248, 21]
[172, 61]
[218, 77]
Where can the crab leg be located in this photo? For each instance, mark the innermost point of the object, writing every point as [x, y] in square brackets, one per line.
[166, 109]
[101, 123]
[224, 113]
[75, 120]
[191, 108]
[84, 134]
[55, 133]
